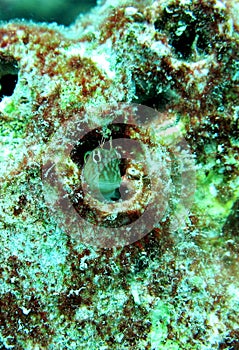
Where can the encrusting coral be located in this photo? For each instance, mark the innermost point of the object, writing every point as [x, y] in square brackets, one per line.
[163, 76]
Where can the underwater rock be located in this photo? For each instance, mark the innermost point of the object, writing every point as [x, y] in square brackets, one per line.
[67, 94]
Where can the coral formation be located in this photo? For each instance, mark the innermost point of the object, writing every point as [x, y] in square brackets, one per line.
[176, 285]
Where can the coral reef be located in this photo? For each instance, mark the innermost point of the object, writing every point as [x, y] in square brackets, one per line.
[175, 284]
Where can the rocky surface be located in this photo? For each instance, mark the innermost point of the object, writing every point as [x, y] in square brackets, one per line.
[177, 286]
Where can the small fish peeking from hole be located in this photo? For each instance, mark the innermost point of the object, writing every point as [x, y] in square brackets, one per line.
[102, 173]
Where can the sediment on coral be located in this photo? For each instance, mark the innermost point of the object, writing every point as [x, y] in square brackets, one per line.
[175, 287]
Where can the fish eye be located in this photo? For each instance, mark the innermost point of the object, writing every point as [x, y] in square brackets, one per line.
[96, 156]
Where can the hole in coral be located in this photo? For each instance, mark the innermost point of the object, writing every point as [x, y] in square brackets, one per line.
[7, 84]
[189, 29]
[104, 157]
[180, 28]
[156, 100]
[8, 77]
[182, 44]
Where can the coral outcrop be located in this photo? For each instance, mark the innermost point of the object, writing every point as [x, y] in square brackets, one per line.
[163, 76]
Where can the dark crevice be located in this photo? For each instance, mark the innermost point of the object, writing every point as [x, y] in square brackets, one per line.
[189, 30]
[8, 77]
[159, 101]
[182, 44]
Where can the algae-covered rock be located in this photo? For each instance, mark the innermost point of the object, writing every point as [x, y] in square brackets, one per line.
[119, 178]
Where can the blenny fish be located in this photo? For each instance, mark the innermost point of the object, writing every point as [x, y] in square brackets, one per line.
[102, 174]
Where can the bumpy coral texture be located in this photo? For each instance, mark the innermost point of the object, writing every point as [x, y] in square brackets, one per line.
[173, 289]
